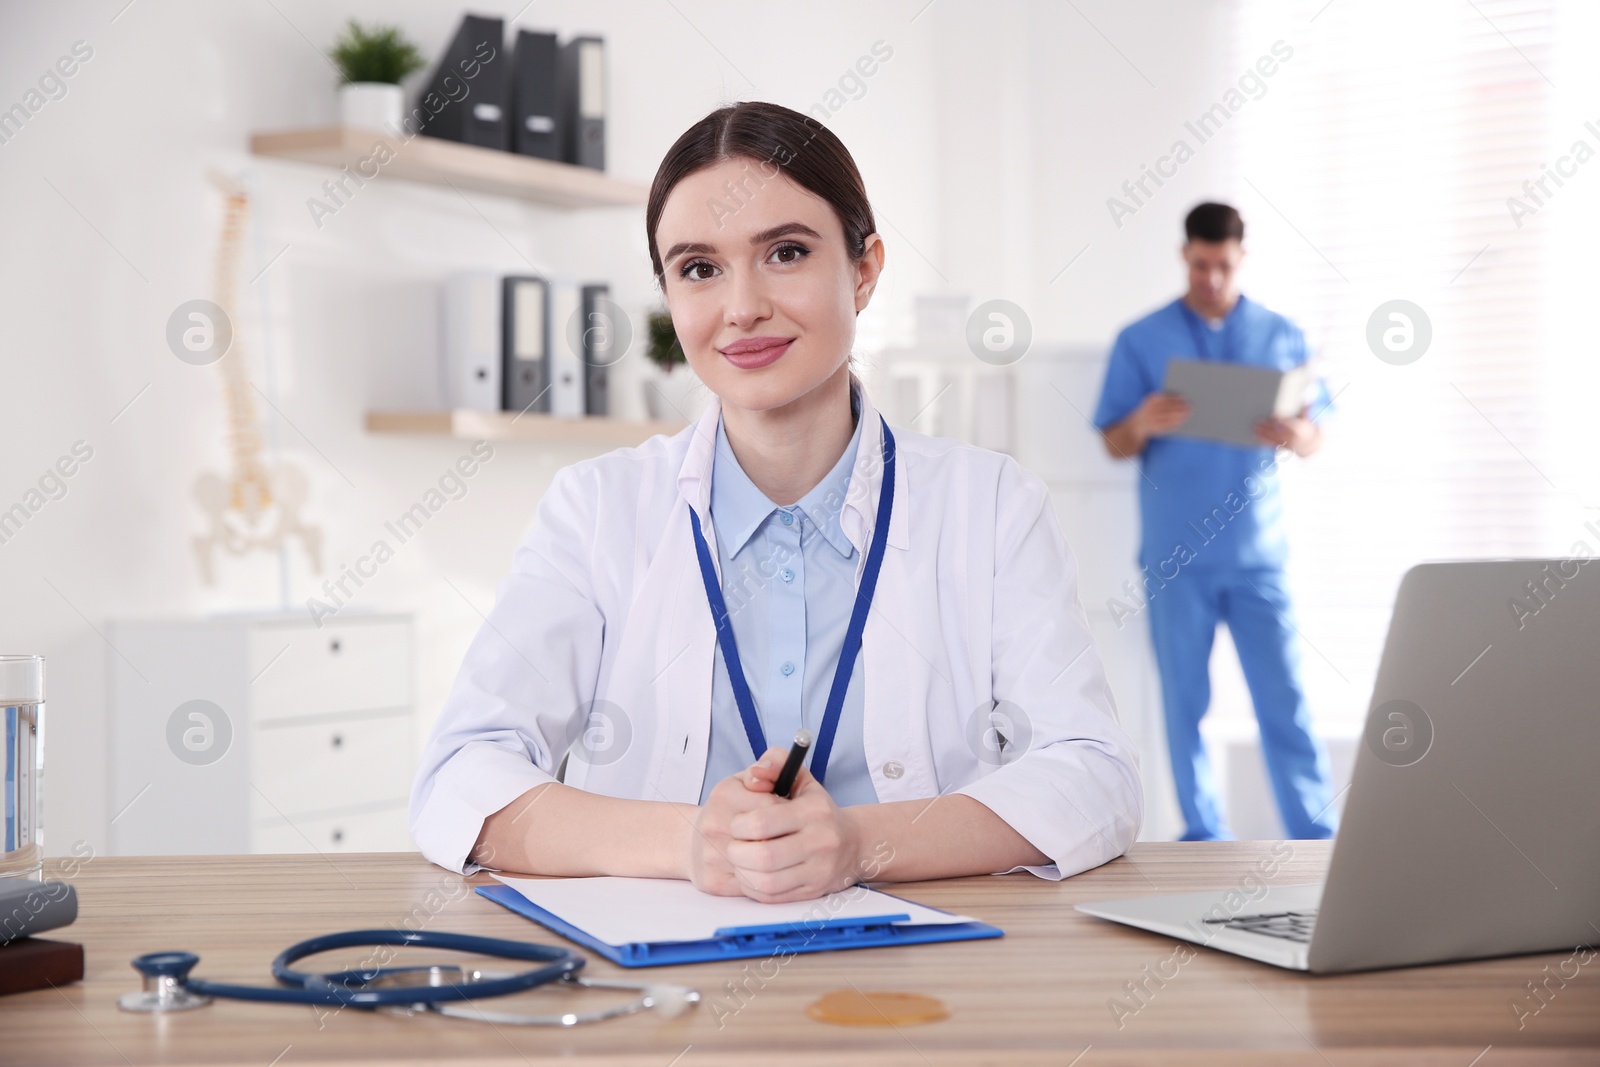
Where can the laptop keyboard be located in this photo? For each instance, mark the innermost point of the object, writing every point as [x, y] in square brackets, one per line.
[1288, 925]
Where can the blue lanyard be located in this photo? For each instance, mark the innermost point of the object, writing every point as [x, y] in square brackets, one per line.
[852, 638]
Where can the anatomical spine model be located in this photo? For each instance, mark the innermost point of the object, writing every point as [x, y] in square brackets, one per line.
[258, 505]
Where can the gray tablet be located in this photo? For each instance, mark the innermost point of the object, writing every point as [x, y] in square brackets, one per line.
[1228, 399]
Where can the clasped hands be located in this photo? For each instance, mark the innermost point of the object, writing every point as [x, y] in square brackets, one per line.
[748, 841]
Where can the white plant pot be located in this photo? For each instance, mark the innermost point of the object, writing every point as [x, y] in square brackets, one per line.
[676, 395]
[371, 105]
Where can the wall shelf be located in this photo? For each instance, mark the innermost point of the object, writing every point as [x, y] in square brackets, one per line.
[510, 426]
[447, 163]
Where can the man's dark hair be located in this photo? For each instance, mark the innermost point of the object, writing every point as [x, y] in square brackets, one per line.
[1214, 223]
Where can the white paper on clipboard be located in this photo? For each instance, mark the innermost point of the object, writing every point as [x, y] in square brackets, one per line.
[623, 910]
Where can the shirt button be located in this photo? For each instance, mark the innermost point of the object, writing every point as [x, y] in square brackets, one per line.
[788, 519]
[787, 669]
[788, 575]
[893, 769]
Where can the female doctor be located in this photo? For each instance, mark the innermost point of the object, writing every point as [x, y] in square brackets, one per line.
[972, 733]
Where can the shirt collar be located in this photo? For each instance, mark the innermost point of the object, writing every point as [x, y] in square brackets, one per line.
[1235, 312]
[861, 502]
[741, 507]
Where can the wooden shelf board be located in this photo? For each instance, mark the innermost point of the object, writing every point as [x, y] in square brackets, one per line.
[510, 426]
[440, 162]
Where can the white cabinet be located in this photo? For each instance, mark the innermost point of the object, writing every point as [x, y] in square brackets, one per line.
[300, 671]
[260, 733]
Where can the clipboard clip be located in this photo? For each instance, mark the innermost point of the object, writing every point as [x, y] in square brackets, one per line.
[837, 933]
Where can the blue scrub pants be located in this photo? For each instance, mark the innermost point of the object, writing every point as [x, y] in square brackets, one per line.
[1255, 605]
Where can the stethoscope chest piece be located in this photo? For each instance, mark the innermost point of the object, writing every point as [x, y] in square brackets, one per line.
[164, 974]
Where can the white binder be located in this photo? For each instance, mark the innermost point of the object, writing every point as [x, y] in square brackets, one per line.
[566, 349]
[470, 342]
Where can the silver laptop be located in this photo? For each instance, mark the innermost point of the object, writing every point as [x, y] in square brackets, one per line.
[1472, 825]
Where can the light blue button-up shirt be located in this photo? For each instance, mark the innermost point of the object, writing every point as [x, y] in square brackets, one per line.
[788, 576]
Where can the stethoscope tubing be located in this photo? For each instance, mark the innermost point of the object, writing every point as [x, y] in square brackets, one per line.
[350, 987]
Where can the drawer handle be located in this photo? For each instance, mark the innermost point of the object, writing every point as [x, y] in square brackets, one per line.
[338, 835]
[338, 740]
[334, 646]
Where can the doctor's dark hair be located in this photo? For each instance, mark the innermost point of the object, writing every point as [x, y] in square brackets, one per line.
[776, 140]
[1213, 223]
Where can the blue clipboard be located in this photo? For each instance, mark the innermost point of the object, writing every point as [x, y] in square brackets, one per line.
[749, 942]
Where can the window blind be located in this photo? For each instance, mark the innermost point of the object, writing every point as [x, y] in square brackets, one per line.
[1381, 164]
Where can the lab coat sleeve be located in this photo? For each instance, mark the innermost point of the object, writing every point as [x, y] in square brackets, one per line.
[1074, 790]
[514, 708]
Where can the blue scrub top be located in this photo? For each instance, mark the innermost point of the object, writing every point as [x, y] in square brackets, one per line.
[789, 579]
[1204, 503]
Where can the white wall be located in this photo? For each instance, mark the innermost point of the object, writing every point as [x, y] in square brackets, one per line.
[989, 142]
[1046, 111]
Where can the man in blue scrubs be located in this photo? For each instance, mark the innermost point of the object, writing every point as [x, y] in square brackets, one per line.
[1212, 547]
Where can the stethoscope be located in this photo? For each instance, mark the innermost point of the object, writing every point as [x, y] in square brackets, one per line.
[404, 990]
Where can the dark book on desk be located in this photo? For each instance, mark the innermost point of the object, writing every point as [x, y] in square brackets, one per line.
[35, 963]
[28, 907]
[465, 98]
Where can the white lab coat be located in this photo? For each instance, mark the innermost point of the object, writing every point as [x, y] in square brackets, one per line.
[976, 603]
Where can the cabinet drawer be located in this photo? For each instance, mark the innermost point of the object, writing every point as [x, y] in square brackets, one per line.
[296, 671]
[334, 764]
[368, 831]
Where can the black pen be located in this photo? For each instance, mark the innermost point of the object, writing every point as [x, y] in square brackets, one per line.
[791, 766]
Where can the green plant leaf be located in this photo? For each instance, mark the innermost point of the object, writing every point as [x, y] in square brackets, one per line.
[376, 54]
[664, 349]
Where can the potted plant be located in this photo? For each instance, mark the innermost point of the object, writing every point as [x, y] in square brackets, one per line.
[665, 351]
[374, 60]
[670, 395]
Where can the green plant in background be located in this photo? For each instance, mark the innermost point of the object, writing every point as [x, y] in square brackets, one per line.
[664, 350]
[376, 54]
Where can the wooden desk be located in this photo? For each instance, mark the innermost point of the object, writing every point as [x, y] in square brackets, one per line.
[1040, 995]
